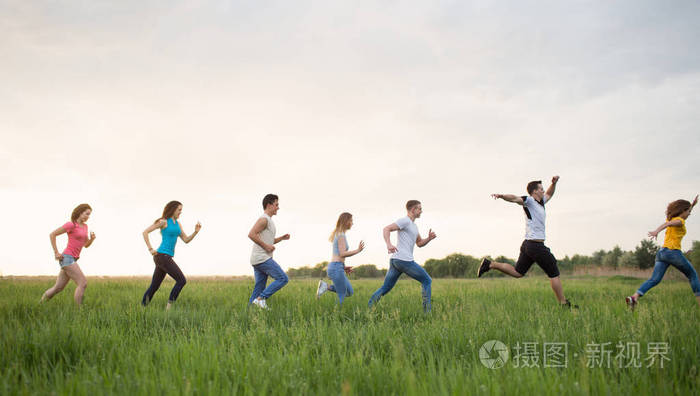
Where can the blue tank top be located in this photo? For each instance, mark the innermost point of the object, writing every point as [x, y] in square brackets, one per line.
[169, 235]
[336, 251]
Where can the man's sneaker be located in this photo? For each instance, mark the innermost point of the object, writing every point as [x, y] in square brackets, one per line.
[631, 302]
[483, 268]
[569, 305]
[322, 288]
[260, 302]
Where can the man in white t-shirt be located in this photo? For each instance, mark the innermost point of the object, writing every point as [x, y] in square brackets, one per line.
[402, 260]
[532, 249]
[263, 235]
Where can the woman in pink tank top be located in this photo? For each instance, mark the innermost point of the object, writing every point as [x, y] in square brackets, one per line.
[68, 260]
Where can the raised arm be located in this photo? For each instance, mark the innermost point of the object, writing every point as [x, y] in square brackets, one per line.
[692, 205]
[282, 238]
[52, 238]
[254, 234]
[343, 248]
[187, 238]
[550, 191]
[386, 232]
[509, 197]
[420, 242]
[90, 240]
[158, 224]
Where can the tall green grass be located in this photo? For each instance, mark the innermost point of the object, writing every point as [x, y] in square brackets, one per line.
[212, 343]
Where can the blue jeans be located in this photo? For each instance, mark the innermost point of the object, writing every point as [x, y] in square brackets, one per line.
[262, 271]
[410, 268]
[341, 283]
[674, 257]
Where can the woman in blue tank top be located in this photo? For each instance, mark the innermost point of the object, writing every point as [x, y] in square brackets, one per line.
[170, 230]
[336, 269]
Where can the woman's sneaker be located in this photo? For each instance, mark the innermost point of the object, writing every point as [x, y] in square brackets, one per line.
[260, 302]
[631, 302]
[322, 288]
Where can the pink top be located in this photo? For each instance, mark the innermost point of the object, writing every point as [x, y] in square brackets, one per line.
[77, 236]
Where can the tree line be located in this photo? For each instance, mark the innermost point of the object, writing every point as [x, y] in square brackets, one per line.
[458, 265]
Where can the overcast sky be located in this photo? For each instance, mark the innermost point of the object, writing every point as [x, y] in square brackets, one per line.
[355, 107]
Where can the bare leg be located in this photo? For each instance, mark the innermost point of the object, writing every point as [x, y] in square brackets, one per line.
[61, 283]
[75, 273]
[170, 305]
[558, 289]
[506, 269]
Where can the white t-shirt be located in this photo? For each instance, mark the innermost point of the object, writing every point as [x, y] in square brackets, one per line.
[534, 217]
[259, 255]
[406, 239]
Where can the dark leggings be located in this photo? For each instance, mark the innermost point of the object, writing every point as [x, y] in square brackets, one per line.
[164, 265]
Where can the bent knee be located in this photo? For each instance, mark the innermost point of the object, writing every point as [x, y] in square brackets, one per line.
[284, 280]
[82, 284]
[428, 281]
[182, 282]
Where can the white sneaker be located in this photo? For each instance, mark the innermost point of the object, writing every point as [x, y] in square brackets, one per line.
[260, 302]
[322, 288]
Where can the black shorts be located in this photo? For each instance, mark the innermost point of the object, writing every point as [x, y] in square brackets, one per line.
[536, 252]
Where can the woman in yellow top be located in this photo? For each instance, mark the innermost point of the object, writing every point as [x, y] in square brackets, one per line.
[670, 254]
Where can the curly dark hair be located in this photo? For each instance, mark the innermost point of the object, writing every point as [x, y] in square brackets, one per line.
[676, 207]
[78, 211]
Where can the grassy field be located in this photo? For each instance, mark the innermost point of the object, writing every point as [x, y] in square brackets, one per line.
[211, 343]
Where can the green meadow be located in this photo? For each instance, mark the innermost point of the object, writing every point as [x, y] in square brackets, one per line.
[212, 343]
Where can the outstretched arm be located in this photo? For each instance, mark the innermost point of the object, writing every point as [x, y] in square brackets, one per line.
[672, 223]
[509, 197]
[550, 191]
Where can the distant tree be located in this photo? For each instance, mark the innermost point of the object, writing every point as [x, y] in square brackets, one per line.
[628, 260]
[645, 253]
[504, 259]
[694, 255]
[367, 271]
[317, 271]
[598, 256]
[611, 258]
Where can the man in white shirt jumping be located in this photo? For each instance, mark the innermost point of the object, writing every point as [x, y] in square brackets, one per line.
[532, 249]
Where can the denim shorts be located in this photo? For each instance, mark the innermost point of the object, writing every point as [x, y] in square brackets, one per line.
[67, 260]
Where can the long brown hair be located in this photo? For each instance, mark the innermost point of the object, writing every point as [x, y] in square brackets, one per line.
[342, 225]
[78, 211]
[676, 207]
[168, 211]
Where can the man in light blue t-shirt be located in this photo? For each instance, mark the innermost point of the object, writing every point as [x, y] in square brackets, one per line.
[402, 259]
